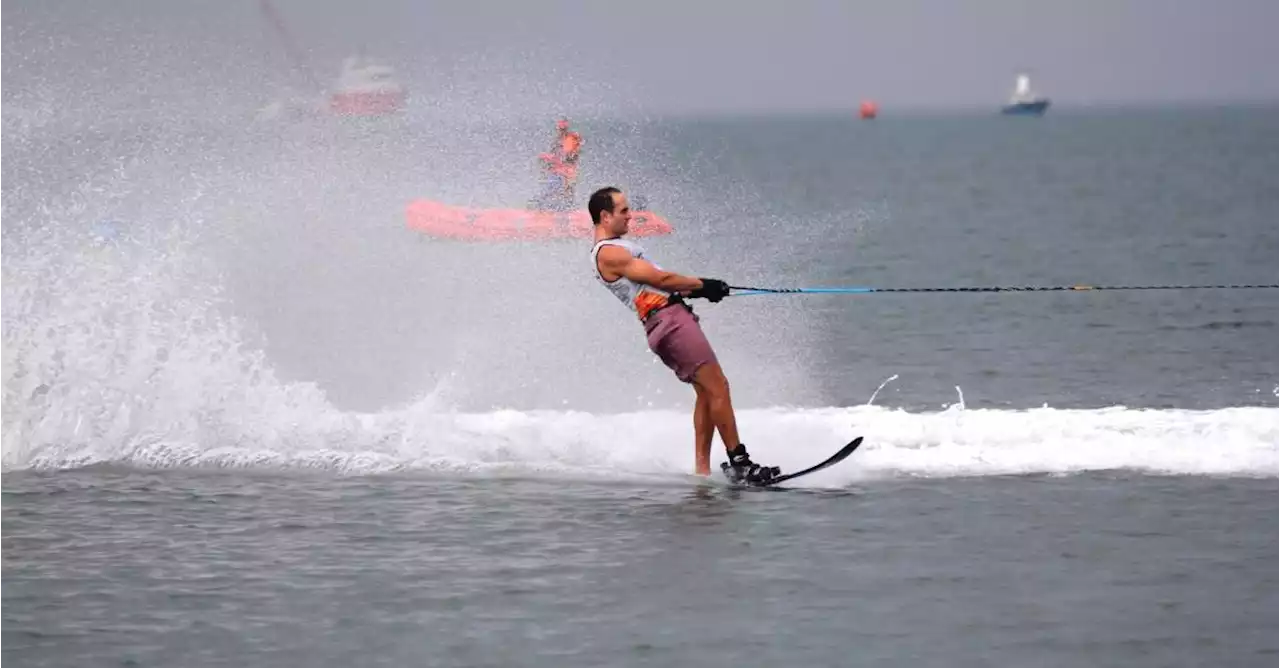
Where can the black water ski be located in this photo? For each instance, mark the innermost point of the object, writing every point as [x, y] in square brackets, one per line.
[830, 461]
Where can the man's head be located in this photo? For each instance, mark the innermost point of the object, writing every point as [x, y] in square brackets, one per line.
[609, 209]
[563, 126]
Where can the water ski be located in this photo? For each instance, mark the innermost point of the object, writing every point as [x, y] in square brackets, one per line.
[838, 457]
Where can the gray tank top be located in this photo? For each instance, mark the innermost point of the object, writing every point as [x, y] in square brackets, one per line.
[641, 299]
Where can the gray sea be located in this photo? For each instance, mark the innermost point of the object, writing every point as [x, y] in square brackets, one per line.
[251, 418]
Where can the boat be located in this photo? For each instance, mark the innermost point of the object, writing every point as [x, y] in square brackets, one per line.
[447, 221]
[1023, 102]
[366, 87]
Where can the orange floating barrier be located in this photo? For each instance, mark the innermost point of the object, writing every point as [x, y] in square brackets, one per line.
[456, 222]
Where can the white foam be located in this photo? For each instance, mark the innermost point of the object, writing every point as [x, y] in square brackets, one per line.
[955, 442]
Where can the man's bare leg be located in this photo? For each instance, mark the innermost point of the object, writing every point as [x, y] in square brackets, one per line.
[703, 431]
[713, 387]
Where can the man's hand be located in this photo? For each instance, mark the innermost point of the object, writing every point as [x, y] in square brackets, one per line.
[712, 290]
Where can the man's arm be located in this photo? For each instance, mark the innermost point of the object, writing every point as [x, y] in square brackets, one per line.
[616, 261]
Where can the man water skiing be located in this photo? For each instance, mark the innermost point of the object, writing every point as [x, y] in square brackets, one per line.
[673, 332]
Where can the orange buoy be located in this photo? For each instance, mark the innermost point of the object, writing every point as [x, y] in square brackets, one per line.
[867, 110]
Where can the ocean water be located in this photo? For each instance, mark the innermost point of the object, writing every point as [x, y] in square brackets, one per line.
[252, 419]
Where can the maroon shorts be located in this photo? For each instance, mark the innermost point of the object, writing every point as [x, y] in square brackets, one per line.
[676, 337]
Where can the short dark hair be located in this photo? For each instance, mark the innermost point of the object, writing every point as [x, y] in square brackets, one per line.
[601, 200]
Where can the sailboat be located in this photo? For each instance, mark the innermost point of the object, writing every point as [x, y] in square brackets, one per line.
[366, 86]
[1023, 102]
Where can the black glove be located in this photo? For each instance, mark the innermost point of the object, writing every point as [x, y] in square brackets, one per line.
[712, 290]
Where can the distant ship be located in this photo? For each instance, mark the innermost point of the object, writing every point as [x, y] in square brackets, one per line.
[367, 87]
[1023, 102]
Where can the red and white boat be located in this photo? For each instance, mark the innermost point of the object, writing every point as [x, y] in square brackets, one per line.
[457, 222]
[366, 87]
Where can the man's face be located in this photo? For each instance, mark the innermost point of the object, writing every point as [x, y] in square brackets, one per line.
[620, 218]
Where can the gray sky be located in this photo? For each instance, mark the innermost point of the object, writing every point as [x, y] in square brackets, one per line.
[669, 56]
